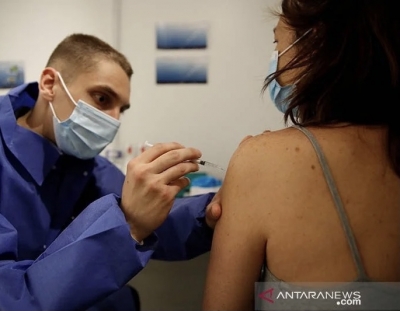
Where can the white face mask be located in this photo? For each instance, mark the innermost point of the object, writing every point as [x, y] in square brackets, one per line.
[86, 132]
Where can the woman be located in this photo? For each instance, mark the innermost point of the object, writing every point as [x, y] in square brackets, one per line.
[318, 201]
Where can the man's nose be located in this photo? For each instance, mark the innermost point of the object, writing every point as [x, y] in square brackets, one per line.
[115, 113]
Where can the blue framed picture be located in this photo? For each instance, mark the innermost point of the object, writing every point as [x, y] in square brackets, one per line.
[172, 70]
[12, 74]
[181, 36]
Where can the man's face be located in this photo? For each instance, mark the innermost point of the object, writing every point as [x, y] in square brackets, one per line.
[106, 87]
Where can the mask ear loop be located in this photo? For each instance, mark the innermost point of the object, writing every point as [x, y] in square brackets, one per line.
[290, 46]
[68, 93]
[66, 89]
[298, 39]
[54, 113]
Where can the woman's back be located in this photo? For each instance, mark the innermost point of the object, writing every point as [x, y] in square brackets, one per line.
[306, 241]
[278, 209]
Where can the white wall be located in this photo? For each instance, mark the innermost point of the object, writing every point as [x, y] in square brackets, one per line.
[212, 117]
[31, 29]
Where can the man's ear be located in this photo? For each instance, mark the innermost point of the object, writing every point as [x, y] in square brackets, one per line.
[47, 83]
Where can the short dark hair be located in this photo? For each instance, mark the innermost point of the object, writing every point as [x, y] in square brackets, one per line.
[350, 65]
[79, 53]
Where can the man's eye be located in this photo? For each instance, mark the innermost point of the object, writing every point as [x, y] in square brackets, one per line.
[101, 99]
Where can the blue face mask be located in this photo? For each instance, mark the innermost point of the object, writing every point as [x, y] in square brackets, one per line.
[279, 94]
[86, 132]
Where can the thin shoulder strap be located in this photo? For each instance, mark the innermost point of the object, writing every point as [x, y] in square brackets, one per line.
[338, 203]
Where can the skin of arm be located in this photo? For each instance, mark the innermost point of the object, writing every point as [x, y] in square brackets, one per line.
[238, 248]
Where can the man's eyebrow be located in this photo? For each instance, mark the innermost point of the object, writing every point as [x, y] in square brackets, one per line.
[110, 91]
[274, 29]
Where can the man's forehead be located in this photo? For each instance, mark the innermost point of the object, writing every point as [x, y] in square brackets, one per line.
[116, 81]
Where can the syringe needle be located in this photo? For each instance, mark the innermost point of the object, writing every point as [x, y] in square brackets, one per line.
[201, 162]
[206, 163]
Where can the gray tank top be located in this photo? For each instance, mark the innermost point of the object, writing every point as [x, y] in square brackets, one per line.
[389, 294]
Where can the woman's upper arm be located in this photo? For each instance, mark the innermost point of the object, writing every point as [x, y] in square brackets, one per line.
[238, 248]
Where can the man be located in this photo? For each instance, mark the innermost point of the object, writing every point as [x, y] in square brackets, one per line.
[73, 229]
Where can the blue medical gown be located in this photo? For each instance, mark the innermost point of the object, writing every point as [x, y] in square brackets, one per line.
[64, 242]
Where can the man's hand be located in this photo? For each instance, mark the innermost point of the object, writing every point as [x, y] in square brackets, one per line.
[152, 181]
[214, 208]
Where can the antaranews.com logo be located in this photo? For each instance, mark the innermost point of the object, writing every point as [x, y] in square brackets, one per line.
[365, 296]
[341, 298]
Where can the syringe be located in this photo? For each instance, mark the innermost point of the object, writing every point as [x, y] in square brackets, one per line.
[213, 165]
[200, 162]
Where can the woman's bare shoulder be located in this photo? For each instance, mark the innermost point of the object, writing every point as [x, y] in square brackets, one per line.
[272, 145]
[268, 157]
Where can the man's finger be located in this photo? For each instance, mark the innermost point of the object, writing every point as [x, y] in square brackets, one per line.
[177, 171]
[216, 211]
[179, 184]
[213, 214]
[173, 158]
[157, 150]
